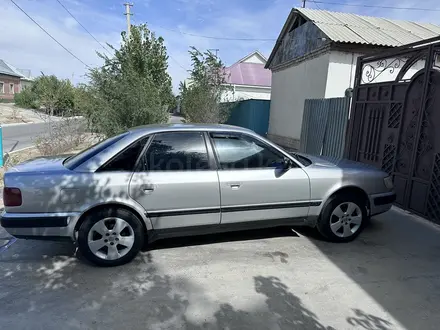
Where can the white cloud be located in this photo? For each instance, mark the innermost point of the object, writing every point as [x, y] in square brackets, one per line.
[29, 47]
[70, 23]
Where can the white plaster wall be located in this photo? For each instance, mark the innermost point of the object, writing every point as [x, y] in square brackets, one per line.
[255, 59]
[290, 88]
[341, 73]
[246, 93]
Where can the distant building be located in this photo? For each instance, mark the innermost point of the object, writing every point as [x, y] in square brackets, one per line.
[249, 79]
[13, 80]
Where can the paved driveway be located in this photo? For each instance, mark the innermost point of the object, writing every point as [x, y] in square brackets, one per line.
[389, 278]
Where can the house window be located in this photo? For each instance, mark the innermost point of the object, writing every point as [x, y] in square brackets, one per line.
[2, 87]
[11, 88]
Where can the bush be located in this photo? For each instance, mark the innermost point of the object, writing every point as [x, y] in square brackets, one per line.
[26, 99]
[56, 96]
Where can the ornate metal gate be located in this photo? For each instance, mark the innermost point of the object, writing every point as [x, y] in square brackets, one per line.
[395, 122]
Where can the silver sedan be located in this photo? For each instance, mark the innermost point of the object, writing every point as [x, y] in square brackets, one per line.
[173, 180]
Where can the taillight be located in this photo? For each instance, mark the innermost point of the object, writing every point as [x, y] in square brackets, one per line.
[12, 196]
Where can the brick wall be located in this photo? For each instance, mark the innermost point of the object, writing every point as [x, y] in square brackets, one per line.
[6, 80]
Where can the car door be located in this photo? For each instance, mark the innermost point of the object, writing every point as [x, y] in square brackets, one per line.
[176, 183]
[253, 184]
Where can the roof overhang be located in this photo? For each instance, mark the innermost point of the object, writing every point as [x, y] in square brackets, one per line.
[291, 19]
[10, 75]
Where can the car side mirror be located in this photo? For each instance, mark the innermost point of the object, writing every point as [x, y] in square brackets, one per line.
[287, 163]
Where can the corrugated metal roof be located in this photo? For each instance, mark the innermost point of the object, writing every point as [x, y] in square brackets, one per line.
[5, 69]
[352, 28]
[253, 74]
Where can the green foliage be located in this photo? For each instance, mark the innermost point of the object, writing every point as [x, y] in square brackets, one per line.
[204, 98]
[132, 88]
[26, 99]
[55, 96]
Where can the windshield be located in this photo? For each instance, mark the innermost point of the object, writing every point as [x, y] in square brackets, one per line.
[74, 161]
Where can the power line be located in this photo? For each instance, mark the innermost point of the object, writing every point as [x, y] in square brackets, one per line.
[375, 6]
[178, 63]
[316, 4]
[68, 11]
[49, 34]
[213, 37]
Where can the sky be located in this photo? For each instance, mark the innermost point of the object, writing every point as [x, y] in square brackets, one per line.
[180, 22]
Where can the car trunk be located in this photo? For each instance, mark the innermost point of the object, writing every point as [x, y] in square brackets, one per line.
[41, 165]
[40, 181]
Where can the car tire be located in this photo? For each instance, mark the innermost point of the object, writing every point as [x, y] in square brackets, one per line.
[329, 220]
[110, 237]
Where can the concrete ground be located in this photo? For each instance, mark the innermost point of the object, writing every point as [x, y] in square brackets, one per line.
[389, 278]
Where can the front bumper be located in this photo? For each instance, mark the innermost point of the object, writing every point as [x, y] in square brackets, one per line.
[49, 226]
[380, 203]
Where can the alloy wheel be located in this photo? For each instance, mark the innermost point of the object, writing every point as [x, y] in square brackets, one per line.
[346, 219]
[111, 238]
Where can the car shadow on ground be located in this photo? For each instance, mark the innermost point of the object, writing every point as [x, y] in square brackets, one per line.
[395, 261]
[111, 297]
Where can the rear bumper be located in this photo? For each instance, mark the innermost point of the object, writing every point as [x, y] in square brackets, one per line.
[50, 226]
[380, 203]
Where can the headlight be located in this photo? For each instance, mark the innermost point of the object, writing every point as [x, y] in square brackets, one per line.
[388, 181]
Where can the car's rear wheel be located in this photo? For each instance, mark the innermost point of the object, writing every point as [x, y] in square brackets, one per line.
[110, 237]
[343, 218]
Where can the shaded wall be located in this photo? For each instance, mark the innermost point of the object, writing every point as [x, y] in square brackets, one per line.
[324, 126]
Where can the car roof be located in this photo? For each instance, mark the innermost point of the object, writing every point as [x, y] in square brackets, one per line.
[148, 129]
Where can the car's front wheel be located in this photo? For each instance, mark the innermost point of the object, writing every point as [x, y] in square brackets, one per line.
[110, 237]
[343, 218]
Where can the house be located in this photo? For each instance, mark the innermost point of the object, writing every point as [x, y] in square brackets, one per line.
[248, 79]
[13, 80]
[315, 56]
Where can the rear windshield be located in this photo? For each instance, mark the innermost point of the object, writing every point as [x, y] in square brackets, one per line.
[74, 161]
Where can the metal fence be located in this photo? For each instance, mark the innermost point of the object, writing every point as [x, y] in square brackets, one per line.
[252, 114]
[324, 126]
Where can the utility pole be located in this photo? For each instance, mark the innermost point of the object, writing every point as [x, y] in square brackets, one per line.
[304, 3]
[128, 14]
[216, 50]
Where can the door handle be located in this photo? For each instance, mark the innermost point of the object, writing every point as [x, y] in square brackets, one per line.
[234, 185]
[147, 188]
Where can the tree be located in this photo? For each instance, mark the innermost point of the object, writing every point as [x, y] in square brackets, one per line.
[204, 98]
[55, 95]
[132, 87]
